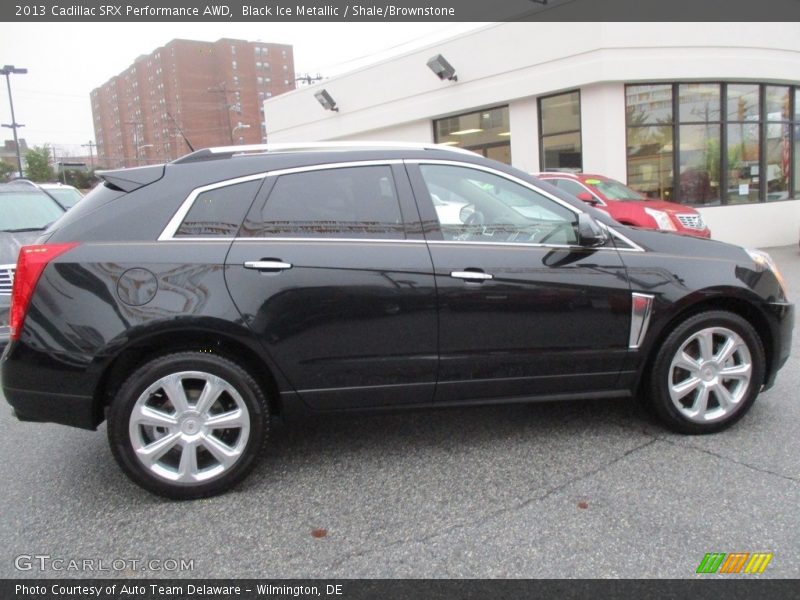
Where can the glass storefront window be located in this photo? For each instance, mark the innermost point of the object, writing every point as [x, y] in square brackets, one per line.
[648, 104]
[650, 161]
[699, 164]
[734, 142]
[778, 160]
[561, 113]
[743, 102]
[484, 131]
[560, 132]
[743, 164]
[562, 151]
[797, 159]
[777, 103]
[698, 102]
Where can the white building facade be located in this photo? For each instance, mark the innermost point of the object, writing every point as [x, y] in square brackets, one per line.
[705, 114]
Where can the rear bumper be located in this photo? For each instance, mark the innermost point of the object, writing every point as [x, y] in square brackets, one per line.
[76, 411]
[49, 405]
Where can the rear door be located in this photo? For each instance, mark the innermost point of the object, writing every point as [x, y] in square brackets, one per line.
[332, 274]
[523, 309]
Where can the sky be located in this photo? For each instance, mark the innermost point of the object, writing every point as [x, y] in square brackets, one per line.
[65, 61]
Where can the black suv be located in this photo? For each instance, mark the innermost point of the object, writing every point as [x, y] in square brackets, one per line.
[190, 303]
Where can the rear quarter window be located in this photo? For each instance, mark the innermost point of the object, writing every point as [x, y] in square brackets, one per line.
[219, 212]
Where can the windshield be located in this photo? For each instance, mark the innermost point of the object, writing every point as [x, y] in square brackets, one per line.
[614, 190]
[67, 197]
[27, 210]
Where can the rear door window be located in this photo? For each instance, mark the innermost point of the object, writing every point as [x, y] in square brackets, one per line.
[342, 202]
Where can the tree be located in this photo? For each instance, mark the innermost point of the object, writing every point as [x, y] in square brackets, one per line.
[38, 167]
[6, 169]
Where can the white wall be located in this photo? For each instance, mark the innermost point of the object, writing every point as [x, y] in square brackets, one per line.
[755, 225]
[523, 118]
[505, 62]
[603, 129]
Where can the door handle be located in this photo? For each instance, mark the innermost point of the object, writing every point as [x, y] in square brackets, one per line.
[267, 265]
[471, 275]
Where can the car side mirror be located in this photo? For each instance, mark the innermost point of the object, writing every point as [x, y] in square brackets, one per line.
[587, 197]
[590, 233]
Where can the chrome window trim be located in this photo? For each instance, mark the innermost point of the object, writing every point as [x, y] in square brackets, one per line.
[640, 318]
[175, 222]
[326, 240]
[168, 233]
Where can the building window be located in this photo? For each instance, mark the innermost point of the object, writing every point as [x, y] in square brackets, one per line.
[233, 65]
[560, 132]
[728, 143]
[796, 170]
[485, 132]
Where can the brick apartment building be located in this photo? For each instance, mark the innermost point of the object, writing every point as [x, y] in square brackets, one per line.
[212, 92]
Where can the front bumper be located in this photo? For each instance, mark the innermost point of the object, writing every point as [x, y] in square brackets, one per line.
[782, 315]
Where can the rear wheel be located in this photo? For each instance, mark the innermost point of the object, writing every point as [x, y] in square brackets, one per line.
[707, 373]
[188, 425]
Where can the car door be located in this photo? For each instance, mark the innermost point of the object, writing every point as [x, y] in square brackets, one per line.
[524, 310]
[332, 274]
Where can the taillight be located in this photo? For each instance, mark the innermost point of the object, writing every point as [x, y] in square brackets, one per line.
[30, 264]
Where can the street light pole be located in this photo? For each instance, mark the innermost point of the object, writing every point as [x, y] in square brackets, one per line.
[8, 70]
[237, 128]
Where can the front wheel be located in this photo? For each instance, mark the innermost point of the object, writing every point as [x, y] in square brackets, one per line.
[188, 425]
[707, 373]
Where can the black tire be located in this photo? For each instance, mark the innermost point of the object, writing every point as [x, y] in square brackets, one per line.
[675, 414]
[240, 398]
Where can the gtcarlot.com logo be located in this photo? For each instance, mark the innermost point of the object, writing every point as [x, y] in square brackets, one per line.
[736, 562]
[45, 562]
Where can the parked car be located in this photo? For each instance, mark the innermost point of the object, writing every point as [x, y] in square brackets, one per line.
[628, 206]
[25, 212]
[66, 195]
[189, 304]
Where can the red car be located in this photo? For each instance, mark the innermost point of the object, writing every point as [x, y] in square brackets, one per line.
[628, 206]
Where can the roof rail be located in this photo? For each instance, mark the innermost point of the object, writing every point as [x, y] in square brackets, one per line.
[230, 151]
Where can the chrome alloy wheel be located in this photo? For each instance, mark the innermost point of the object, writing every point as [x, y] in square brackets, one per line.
[710, 375]
[189, 426]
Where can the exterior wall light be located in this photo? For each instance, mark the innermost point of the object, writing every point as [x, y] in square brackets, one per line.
[442, 68]
[326, 100]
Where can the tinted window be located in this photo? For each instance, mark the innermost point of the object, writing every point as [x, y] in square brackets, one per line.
[345, 202]
[219, 212]
[474, 205]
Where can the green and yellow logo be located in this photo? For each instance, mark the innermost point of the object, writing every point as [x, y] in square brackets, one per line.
[736, 562]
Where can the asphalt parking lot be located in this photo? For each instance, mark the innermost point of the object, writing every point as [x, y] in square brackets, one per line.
[580, 489]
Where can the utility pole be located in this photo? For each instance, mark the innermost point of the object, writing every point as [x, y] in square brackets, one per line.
[137, 141]
[223, 89]
[8, 70]
[308, 79]
[90, 145]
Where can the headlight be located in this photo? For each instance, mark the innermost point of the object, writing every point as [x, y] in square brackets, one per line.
[661, 218]
[763, 262]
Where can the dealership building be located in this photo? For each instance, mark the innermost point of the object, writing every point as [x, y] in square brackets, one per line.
[704, 114]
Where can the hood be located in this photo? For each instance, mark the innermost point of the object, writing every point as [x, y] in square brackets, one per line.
[10, 244]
